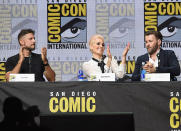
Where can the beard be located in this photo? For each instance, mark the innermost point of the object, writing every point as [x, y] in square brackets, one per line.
[30, 48]
[153, 50]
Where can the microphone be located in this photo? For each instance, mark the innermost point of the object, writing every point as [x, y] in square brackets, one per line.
[158, 57]
[29, 63]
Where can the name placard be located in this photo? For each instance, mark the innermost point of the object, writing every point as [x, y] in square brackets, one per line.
[21, 77]
[102, 77]
[157, 77]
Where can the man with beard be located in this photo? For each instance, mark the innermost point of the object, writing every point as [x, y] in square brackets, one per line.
[156, 60]
[27, 61]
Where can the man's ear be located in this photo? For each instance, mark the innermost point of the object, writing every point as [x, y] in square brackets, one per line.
[21, 42]
[159, 42]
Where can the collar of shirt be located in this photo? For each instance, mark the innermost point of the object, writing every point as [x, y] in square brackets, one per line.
[155, 63]
[101, 64]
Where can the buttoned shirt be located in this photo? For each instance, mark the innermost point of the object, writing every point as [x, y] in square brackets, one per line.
[155, 63]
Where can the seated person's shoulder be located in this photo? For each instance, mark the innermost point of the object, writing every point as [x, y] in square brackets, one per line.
[168, 51]
[142, 56]
[13, 58]
[86, 63]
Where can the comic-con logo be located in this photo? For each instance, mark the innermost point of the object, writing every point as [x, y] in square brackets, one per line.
[83, 101]
[67, 25]
[2, 71]
[164, 17]
[175, 111]
[14, 17]
[116, 22]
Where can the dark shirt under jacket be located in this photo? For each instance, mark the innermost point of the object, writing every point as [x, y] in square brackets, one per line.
[33, 64]
[168, 64]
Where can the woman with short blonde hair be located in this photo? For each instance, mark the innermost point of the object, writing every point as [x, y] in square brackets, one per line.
[101, 63]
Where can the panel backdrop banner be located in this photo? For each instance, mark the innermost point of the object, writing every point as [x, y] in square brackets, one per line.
[65, 27]
[155, 105]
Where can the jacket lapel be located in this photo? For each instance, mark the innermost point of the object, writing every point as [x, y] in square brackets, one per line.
[161, 57]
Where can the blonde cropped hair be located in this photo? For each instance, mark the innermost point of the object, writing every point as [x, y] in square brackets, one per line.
[92, 39]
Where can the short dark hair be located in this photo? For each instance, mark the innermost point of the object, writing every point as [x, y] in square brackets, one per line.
[157, 34]
[23, 32]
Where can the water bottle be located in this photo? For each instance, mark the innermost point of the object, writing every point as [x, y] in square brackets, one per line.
[80, 75]
[143, 72]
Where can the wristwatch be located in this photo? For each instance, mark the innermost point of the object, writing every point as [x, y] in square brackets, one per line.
[156, 69]
[46, 64]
